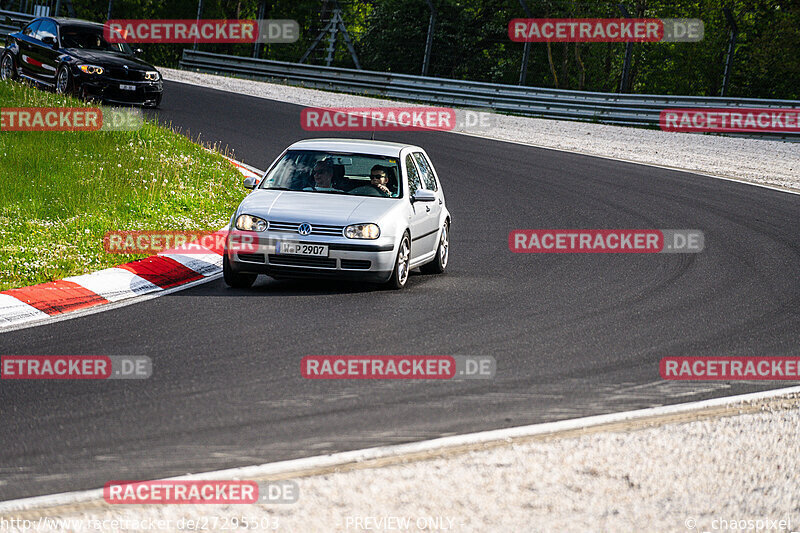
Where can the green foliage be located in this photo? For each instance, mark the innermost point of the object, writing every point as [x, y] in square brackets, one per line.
[62, 191]
[470, 41]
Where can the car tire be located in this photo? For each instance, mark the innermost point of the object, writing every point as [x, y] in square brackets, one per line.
[64, 81]
[8, 67]
[233, 279]
[401, 271]
[438, 265]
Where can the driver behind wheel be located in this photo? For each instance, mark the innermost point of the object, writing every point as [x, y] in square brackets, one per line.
[379, 177]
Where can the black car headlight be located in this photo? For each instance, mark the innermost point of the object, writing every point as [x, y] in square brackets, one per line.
[152, 75]
[251, 223]
[91, 69]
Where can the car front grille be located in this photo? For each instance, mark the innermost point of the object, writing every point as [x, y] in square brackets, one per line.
[355, 264]
[316, 229]
[126, 74]
[252, 258]
[302, 261]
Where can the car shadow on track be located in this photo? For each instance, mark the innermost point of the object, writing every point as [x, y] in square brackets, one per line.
[266, 286]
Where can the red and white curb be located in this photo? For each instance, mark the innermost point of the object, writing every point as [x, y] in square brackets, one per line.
[158, 273]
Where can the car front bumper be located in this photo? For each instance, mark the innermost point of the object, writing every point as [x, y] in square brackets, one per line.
[371, 261]
[109, 90]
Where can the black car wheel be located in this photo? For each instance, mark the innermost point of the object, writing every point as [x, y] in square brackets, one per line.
[233, 279]
[64, 80]
[8, 70]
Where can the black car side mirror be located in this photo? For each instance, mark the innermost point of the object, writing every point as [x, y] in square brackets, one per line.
[138, 51]
[49, 40]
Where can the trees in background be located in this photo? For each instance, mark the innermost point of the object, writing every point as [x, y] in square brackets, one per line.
[470, 41]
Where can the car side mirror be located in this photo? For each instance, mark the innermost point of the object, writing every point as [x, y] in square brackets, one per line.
[138, 51]
[49, 40]
[250, 183]
[423, 196]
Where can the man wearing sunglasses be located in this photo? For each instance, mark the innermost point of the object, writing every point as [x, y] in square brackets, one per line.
[379, 177]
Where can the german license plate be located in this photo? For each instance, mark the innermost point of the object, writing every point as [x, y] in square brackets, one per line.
[296, 248]
[127, 87]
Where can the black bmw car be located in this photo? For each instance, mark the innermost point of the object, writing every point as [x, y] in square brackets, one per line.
[73, 57]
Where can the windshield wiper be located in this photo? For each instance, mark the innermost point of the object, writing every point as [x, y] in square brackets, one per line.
[278, 189]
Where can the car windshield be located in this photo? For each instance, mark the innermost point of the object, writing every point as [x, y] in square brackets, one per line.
[336, 173]
[90, 39]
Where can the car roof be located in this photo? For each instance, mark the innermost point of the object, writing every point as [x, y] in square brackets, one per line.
[363, 146]
[64, 21]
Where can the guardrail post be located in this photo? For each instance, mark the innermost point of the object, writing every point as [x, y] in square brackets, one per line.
[261, 9]
[624, 84]
[110, 3]
[429, 40]
[526, 51]
[199, 12]
[726, 78]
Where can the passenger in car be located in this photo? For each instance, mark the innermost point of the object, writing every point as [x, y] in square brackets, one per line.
[323, 176]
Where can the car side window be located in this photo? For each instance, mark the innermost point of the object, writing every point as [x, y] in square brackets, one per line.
[414, 182]
[426, 171]
[30, 29]
[46, 29]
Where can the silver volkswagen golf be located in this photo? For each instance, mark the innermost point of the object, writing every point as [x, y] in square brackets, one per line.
[341, 208]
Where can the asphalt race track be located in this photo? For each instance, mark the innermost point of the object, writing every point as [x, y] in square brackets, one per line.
[573, 335]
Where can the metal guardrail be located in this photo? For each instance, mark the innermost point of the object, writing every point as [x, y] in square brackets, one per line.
[606, 108]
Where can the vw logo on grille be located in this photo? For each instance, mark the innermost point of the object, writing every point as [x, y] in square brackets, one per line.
[304, 228]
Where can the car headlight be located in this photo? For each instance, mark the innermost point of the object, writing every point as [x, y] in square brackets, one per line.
[152, 75]
[91, 69]
[251, 223]
[362, 231]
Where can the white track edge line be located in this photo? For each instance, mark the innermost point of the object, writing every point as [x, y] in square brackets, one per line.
[396, 450]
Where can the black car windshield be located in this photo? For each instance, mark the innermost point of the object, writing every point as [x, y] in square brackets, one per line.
[336, 173]
[86, 38]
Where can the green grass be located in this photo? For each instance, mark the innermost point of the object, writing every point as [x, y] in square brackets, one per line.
[60, 192]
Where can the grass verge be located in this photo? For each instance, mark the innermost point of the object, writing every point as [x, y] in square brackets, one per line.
[62, 191]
